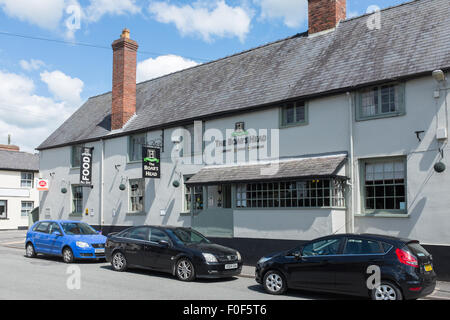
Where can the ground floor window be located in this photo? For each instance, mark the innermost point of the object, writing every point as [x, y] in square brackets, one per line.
[3, 209]
[384, 184]
[198, 197]
[77, 199]
[137, 191]
[314, 193]
[27, 207]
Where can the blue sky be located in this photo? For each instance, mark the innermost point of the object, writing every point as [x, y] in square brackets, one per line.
[43, 82]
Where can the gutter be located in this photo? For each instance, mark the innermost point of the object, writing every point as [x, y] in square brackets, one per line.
[351, 211]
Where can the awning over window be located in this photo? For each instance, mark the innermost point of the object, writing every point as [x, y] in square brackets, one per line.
[302, 168]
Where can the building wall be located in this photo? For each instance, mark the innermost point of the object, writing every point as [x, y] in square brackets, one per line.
[327, 131]
[11, 191]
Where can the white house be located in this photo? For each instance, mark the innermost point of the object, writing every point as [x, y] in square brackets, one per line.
[342, 128]
[18, 194]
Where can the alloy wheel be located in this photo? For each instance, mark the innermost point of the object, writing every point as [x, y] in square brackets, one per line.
[385, 292]
[118, 261]
[274, 282]
[184, 270]
[67, 255]
[30, 251]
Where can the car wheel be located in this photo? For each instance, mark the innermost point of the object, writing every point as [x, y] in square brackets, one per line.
[119, 262]
[274, 283]
[29, 251]
[386, 291]
[68, 255]
[185, 270]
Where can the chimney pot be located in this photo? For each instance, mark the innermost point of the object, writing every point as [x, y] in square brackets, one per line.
[124, 80]
[325, 14]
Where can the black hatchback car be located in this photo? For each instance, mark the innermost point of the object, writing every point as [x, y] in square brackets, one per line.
[343, 264]
[183, 252]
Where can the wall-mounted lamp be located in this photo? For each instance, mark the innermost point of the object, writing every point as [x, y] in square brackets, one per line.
[63, 187]
[438, 75]
[439, 167]
[176, 183]
[122, 185]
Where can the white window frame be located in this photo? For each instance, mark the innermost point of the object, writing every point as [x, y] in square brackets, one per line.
[27, 182]
[76, 201]
[141, 186]
[25, 212]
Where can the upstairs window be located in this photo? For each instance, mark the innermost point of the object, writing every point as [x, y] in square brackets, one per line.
[26, 179]
[76, 155]
[135, 144]
[293, 113]
[380, 101]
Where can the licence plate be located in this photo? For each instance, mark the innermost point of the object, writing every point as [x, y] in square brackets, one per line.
[99, 250]
[231, 266]
[428, 267]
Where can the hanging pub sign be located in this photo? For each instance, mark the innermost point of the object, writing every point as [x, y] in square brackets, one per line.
[151, 166]
[86, 167]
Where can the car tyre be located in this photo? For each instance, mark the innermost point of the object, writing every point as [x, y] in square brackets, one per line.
[184, 270]
[67, 255]
[119, 262]
[386, 291]
[29, 251]
[274, 282]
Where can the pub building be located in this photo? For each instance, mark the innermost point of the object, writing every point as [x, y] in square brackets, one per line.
[342, 128]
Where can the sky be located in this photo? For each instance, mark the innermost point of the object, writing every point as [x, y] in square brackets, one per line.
[55, 54]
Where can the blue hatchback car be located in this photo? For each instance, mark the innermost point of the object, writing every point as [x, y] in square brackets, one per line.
[69, 239]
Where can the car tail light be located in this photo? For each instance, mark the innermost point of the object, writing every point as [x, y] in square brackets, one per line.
[407, 258]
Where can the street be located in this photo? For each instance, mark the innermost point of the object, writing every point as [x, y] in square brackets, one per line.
[50, 278]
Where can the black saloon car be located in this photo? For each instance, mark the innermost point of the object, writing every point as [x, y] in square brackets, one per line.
[183, 252]
[340, 264]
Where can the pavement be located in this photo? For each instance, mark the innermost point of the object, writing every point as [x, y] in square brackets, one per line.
[50, 278]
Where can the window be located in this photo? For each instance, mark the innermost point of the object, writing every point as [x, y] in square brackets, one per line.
[140, 233]
[315, 193]
[362, 246]
[293, 113]
[3, 209]
[157, 235]
[26, 179]
[135, 144]
[322, 248]
[54, 228]
[27, 207]
[384, 185]
[76, 155]
[198, 196]
[380, 101]
[137, 195]
[77, 199]
[43, 227]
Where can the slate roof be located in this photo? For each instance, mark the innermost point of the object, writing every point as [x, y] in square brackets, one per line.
[16, 160]
[414, 39]
[287, 169]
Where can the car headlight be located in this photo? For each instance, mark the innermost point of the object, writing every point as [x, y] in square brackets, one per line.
[238, 256]
[209, 257]
[263, 259]
[81, 244]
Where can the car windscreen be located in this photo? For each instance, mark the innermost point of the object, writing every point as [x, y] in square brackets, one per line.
[188, 236]
[73, 228]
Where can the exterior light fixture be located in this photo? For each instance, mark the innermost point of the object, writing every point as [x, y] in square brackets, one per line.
[176, 183]
[122, 187]
[438, 75]
[63, 190]
[439, 167]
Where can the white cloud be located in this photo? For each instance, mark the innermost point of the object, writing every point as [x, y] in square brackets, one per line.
[153, 68]
[31, 65]
[293, 12]
[63, 87]
[43, 13]
[98, 8]
[207, 19]
[28, 117]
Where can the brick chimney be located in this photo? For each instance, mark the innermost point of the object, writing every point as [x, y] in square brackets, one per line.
[9, 147]
[325, 14]
[124, 80]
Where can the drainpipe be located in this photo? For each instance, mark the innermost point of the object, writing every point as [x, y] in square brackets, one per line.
[351, 212]
[102, 160]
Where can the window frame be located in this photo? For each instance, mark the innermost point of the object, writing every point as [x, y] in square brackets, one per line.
[282, 118]
[22, 209]
[72, 154]
[130, 182]
[130, 146]
[401, 108]
[362, 182]
[26, 180]
[73, 209]
[186, 188]
[6, 210]
[380, 247]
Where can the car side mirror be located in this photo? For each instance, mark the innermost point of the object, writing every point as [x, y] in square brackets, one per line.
[163, 243]
[57, 233]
